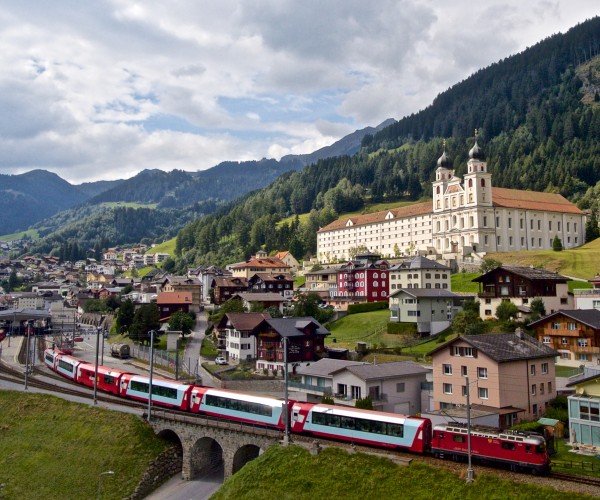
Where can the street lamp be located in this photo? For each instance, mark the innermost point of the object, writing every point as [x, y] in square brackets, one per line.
[107, 473]
[152, 332]
[96, 366]
[470, 472]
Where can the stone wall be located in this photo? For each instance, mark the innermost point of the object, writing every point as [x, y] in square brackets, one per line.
[162, 468]
[274, 385]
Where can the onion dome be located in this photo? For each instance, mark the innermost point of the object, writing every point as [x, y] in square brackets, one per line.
[476, 153]
[444, 161]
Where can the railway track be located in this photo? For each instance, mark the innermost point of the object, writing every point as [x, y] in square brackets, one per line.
[592, 481]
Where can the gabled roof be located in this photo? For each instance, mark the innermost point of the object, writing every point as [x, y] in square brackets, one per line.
[326, 367]
[531, 273]
[265, 262]
[435, 293]
[230, 281]
[532, 200]
[589, 317]
[243, 322]
[503, 347]
[174, 298]
[273, 276]
[261, 297]
[420, 262]
[291, 327]
[387, 370]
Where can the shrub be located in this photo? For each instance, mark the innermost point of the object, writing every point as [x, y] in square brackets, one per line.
[367, 307]
[327, 400]
[364, 403]
[557, 244]
[506, 310]
[402, 328]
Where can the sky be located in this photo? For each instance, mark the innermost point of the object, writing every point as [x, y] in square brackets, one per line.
[104, 89]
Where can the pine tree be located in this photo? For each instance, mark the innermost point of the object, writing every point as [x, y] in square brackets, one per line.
[557, 244]
[592, 230]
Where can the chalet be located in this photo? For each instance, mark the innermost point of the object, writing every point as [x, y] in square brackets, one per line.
[259, 264]
[171, 302]
[236, 335]
[223, 288]
[574, 334]
[364, 279]
[185, 285]
[305, 340]
[520, 285]
[262, 300]
[287, 258]
[282, 284]
[511, 375]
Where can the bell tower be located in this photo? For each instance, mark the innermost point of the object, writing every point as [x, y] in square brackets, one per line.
[478, 181]
[443, 174]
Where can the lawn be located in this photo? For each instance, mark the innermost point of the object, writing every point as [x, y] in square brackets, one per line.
[165, 247]
[574, 463]
[52, 448]
[292, 472]
[582, 262]
[369, 327]
[32, 233]
[208, 349]
[462, 282]
[424, 348]
[567, 371]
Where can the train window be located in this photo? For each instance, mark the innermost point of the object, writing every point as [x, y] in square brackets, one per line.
[396, 430]
[237, 405]
[347, 422]
[65, 366]
[139, 386]
[49, 358]
[508, 445]
[109, 379]
[458, 439]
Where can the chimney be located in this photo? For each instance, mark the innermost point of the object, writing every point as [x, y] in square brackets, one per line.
[519, 333]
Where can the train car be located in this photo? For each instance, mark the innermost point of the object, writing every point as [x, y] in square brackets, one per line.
[519, 451]
[258, 410]
[121, 351]
[366, 427]
[50, 358]
[164, 392]
[108, 380]
[67, 366]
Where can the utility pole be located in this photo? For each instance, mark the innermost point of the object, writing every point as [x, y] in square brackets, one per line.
[151, 373]
[102, 350]
[27, 358]
[177, 359]
[96, 366]
[286, 438]
[469, 467]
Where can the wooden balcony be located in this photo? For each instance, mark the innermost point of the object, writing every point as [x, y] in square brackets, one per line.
[587, 350]
[563, 332]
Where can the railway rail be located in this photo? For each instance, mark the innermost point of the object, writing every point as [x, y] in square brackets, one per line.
[572, 478]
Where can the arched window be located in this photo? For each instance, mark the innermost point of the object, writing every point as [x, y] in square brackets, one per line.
[437, 190]
[470, 182]
[482, 182]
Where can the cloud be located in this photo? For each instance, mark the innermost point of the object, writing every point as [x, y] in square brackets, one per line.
[110, 88]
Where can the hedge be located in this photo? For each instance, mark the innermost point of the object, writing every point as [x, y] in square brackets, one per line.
[367, 307]
[402, 328]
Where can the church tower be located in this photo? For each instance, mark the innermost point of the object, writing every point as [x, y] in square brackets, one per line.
[443, 174]
[478, 181]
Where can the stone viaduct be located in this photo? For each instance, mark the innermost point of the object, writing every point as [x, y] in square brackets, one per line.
[212, 446]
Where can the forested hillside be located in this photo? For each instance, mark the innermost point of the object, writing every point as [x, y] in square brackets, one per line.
[539, 113]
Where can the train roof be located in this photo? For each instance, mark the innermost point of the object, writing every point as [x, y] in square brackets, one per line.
[508, 435]
[370, 414]
[274, 402]
[104, 370]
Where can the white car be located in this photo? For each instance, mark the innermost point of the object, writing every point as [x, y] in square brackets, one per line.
[220, 361]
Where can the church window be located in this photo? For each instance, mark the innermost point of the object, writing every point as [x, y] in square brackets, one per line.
[470, 182]
[437, 190]
[482, 182]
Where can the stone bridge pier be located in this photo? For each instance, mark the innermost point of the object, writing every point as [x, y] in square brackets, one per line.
[211, 448]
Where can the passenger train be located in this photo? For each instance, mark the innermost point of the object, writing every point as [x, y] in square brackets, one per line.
[524, 452]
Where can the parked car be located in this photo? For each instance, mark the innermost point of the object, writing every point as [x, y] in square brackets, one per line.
[220, 361]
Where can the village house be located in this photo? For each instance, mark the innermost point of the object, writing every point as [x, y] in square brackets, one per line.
[419, 272]
[282, 284]
[322, 281]
[520, 285]
[287, 258]
[574, 334]
[588, 298]
[432, 309]
[171, 302]
[223, 288]
[257, 300]
[184, 284]
[364, 279]
[510, 375]
[236, 335]
[260, 263]
[584, 411]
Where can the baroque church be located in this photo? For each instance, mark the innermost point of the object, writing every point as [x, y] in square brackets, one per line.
[467, 217]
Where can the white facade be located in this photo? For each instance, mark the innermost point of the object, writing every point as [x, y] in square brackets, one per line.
[466, 216]
[240, 346]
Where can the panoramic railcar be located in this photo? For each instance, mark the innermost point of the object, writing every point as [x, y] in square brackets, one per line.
[239, 407]
[164, 392]
[516, 450]
[50, 358]
[373, 428]
[108, 380]
[66, 366]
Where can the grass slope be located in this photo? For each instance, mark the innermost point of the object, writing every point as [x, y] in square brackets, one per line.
[292, 473]
[582, 262]
[165, 247]
[462, 282]
[32, 233]
[367, 327]
[51, 448]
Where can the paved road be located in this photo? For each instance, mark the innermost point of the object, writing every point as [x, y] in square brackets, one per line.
[192, 348]
[178, 489]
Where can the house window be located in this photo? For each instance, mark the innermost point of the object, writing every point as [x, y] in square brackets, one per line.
[549, 387]
[463, 371]
[544, 366]
[532, 369]
[464, 390]
[582, 342]
[488, 312]
[546, 340]
[447, 369]
[482, 372]
[564, 341]
[400, 387]
[571, 326]
[483, 392]
[555, 326]
[447, 388]
[542, 388]
[533, 389]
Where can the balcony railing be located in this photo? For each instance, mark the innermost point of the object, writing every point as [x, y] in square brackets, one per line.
[587, 350]
[486, 295]
[587, 291]
[321, 389]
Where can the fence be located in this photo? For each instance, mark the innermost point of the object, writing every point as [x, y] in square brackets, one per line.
[572, 464]
[167, 360]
